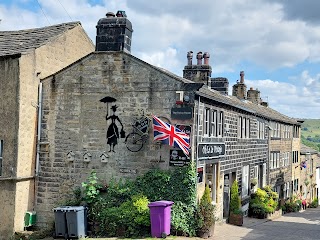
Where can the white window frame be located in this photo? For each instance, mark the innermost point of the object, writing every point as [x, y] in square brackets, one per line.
[213, 123]
[248, 128]
[245, 181]
[206, 121]
[220, 124]
[264, 177]
[243, 127]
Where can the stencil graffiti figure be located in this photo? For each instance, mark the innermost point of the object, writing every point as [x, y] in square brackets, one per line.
[113, 131]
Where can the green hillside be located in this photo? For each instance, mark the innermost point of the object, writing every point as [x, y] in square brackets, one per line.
[310, 134]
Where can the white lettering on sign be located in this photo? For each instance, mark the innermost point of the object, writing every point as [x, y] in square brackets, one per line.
[206, 149]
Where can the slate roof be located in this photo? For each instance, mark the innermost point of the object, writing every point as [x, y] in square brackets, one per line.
[305, 149]
[246, 105]
[22, 41]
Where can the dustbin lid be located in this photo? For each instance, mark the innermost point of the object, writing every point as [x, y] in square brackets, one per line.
[75, 208]
[162, 203]
[69, 208]
[61, 209]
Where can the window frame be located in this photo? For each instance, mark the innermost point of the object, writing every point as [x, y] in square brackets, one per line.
[206, 122]
[213, 123]
[245, 181]
[220, 124]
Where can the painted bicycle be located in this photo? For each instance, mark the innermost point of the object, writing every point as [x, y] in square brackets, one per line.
[136, 139]
[139, 135]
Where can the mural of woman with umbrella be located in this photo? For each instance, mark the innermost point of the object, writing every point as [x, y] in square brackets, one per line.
[113, 131]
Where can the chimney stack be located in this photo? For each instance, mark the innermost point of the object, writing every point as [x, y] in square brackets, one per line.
[199, 58]
[199, 72]
[239, 90]
[254, 96]
[114, 33]
[190, 56]
[242, 77]
[206, 57]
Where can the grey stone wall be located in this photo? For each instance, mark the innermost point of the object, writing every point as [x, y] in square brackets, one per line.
[9, 84]
[75, 120]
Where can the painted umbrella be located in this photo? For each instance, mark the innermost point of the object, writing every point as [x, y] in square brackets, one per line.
[107, 100]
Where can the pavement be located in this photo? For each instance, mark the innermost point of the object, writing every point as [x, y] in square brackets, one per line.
[294, 226]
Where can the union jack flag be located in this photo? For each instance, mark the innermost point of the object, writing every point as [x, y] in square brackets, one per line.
[169, 134]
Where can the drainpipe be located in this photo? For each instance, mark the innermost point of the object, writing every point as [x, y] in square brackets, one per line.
[39, 129]
[198, 120]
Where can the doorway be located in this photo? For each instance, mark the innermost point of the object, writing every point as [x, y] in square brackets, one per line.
[228, 178]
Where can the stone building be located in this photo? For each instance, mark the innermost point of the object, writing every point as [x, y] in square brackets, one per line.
[305, 174]
[25, 57]
[90, 108]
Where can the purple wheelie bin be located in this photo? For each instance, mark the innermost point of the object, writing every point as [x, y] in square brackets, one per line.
[160, 217]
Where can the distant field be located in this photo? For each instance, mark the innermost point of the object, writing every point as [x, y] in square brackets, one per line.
[311, 127]
[310, 134]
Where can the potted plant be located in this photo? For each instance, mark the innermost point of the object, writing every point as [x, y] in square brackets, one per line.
[236, 214]
[205, 215]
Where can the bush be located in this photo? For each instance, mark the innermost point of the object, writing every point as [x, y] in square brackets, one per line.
[183, 219]
[235, 202]
[130, 219]
[263, 201]
[314, 203]
[119, 208]
[292, 205]
[176, 185]
[205, 212]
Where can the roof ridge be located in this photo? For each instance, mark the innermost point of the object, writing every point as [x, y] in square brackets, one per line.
[45, 27]
[22, 41]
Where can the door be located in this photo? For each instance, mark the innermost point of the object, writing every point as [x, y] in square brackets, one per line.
[226, 195]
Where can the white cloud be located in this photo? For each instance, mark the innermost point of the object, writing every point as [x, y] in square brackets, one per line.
[301, 100]
[263, 32]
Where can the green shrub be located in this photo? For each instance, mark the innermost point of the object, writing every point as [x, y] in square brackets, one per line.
[205, 212]
[263, 201]
[292, 205]
[117, 193]
[183, 219]
[91, 188]
[235, 202]
[176, 185]
[119, 208]
[130, 219]
[314, 203]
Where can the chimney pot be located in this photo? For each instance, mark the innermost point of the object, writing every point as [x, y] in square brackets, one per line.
[110, 15]
[199, 58]
[206, 57]
[242, 77]
[189, 57]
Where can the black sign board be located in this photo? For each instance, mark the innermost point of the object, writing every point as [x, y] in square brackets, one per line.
[182, 113]
[178, 158]
[200, 174]
[210, 150]
[184, 128]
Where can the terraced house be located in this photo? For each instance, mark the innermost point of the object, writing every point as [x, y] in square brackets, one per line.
[91, 109]
[25, 57]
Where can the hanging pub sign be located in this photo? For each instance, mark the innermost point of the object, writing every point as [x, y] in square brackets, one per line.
[210, 150]
[178, 158]
[184, 128]
[200, 174]
[183, 113]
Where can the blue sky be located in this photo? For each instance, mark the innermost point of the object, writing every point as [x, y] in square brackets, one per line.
[276, 43]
